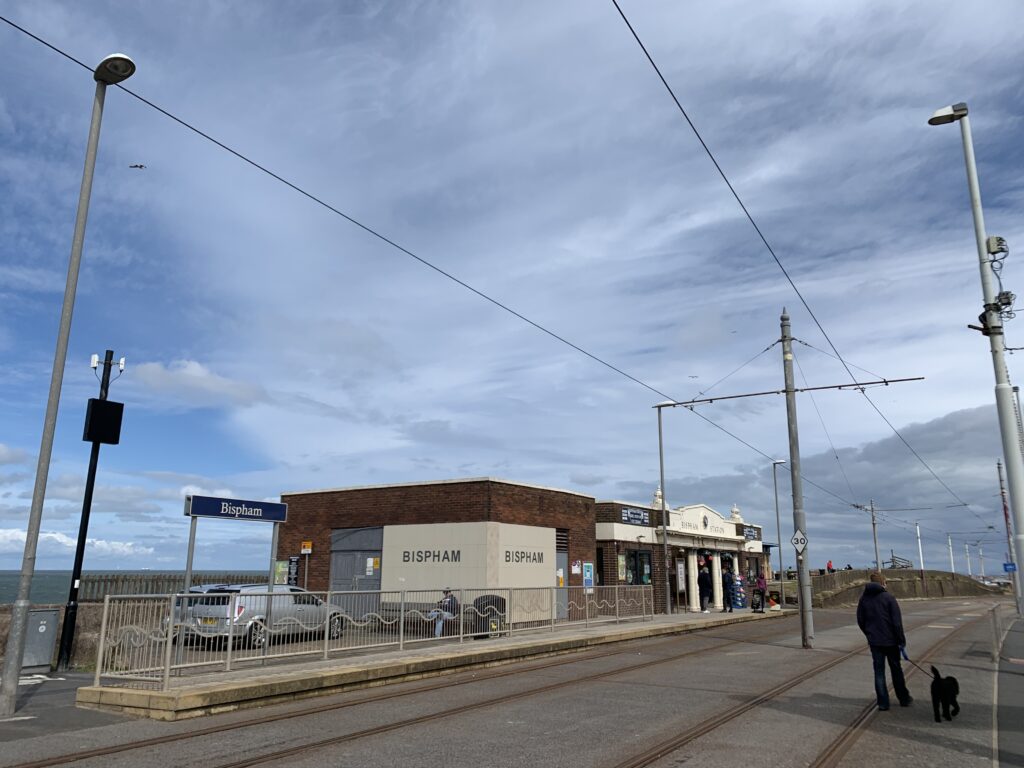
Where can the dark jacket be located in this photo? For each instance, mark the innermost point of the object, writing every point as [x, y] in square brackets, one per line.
[704, 583]
[879, 617]
[728, 580]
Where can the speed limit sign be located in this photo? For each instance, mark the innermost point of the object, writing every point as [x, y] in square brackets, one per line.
[799, 541]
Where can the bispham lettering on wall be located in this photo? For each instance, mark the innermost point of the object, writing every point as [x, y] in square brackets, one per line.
[523, 556]
[431, 555]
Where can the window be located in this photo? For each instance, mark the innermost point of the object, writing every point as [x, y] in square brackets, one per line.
[638, 566]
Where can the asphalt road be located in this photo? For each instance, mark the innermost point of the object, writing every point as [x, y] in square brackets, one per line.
[603, 721]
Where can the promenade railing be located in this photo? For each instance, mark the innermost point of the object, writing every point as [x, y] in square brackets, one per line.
[151, 641]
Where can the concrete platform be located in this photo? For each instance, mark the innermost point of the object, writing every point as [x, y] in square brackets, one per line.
[197, 695]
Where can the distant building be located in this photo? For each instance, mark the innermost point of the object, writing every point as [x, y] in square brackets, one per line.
[486, 532]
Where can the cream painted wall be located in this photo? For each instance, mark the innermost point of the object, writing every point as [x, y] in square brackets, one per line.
[467, 556]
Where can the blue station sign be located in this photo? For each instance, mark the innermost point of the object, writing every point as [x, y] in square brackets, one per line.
[236, 509]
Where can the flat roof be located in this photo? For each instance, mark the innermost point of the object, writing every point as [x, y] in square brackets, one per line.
[633, 504]
[438, 482]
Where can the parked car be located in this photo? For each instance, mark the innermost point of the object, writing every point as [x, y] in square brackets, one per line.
[293, 612]
[183, 609]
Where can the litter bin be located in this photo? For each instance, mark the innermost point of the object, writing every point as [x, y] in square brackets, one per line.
[40, 639]
[487, 617]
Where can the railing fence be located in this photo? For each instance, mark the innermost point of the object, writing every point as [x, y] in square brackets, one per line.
[145, 640]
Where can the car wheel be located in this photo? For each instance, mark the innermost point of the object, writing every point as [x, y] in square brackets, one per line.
[257, 636]
[337, 626]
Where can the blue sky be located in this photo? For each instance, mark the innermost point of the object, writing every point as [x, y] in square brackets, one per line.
[529, 150]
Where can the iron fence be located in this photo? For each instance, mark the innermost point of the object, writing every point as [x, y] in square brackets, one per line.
[146, 640]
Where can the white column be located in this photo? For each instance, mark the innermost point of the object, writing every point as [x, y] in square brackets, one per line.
[691, 579]
[716, 581]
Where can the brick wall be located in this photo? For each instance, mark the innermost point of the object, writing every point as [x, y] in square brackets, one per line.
[313, 515]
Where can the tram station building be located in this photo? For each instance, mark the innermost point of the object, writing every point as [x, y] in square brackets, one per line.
[488, 533]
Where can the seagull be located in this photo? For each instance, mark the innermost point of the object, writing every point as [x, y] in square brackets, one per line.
[137, 165]
[694, 377]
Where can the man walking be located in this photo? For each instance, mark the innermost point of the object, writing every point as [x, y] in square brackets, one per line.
[879, 618]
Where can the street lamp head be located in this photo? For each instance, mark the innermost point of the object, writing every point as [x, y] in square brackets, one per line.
[113, 69]
[778, 461]
[948, 114]
[665, 404]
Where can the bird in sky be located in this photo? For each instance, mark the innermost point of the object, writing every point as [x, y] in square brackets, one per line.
[137, 165]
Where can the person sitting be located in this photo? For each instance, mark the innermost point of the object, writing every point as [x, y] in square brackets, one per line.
[447, 608]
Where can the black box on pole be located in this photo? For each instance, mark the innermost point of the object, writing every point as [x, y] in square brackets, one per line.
[103, 422]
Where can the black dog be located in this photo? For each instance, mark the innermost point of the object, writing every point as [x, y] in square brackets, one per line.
[944, 692]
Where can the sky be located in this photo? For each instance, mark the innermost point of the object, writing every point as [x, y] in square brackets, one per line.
[569, 256]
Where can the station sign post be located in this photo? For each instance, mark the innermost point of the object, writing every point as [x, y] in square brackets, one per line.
[232, 509]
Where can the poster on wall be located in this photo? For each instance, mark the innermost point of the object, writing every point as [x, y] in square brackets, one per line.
[622, 568]
[588, 578]
[280, 571]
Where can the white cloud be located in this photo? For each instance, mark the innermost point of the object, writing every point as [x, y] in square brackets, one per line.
[546, 166]
[9, 455]
[191, 384]
[12, 540]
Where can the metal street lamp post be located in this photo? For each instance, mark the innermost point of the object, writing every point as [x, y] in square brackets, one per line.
[778, 529]
[664, 509]
[112, 70]
[993, 328]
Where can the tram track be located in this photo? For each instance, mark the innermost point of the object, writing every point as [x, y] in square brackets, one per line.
[477, 677]
[827, 758]
[647, 757]
[833, 754]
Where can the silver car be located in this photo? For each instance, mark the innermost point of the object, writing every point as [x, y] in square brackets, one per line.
[294, 612]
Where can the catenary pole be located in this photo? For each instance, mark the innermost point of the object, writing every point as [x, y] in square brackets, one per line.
[949, 543]
[874, 535]
[1015, 574]
[967, 551]
[920, 557]
[111, 70]
[799, 519]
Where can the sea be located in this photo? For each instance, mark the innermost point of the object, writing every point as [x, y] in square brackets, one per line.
[52, 586]
[47, 586]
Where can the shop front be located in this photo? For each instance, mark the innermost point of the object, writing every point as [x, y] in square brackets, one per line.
[629, 541]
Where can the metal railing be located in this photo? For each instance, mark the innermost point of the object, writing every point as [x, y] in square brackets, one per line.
[146, 640]
[95, 586]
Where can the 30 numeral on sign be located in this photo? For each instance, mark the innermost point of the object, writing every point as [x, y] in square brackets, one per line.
[799, 541]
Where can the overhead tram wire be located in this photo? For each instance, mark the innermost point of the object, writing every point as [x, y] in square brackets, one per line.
[766, 349]
[366, 227]
[369, 230]
[829, 354]
[828, 437]
[771, 250]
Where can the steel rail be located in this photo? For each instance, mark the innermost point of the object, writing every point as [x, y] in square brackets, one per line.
[659, 751]
[841, 745]
[565, 659]
[282, 754]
